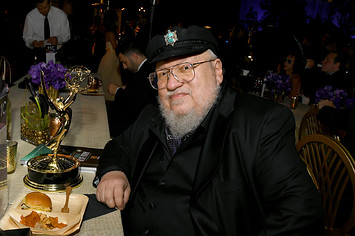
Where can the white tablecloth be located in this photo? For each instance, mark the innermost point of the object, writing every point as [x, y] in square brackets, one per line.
[89, 128]
[298, 113]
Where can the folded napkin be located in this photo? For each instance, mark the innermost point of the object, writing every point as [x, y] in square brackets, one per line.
[95, 208]
[16, 232]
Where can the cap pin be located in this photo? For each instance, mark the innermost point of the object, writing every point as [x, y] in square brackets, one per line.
[170, 38]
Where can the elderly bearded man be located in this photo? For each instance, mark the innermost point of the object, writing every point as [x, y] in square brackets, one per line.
[209, 160]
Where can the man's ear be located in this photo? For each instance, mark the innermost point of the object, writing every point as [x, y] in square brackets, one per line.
[219, 70]
[134, 56]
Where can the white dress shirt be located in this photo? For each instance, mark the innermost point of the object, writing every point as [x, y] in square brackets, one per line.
[139, 67]
[34, 26]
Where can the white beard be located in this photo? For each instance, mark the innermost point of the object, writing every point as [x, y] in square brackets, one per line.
[182, 124]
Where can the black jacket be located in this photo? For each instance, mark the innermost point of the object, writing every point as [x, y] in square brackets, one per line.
[130, 102]
[249, 179]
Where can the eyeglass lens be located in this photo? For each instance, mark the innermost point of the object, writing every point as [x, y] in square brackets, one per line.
[182, 72]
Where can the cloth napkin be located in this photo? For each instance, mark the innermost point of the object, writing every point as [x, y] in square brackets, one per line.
[95, 208]
[16, 232]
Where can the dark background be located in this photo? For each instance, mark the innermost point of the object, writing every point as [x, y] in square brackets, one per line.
[296, 17]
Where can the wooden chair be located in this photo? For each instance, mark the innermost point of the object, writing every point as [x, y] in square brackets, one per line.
[311, 125]
[332, 169]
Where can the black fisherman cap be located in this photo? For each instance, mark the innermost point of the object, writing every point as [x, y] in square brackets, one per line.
[180, 41]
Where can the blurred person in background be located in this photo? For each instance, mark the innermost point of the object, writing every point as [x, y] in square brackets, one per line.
[292, 66]
[331, 73]
[34, 28]
[335, 75]
[131, 97]
[109, 67]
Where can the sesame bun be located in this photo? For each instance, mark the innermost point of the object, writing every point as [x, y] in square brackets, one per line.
[37, 201]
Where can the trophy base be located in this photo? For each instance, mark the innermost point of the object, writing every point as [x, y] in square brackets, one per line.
[51, 187]
[49, 173]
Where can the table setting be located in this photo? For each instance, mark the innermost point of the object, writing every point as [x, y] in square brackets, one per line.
[96, 88]
[277, 88]
[54, 173]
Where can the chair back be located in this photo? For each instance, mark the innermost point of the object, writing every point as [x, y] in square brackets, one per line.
[332, 169]
[311, 125]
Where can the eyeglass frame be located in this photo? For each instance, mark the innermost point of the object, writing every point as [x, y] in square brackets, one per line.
[169, 69]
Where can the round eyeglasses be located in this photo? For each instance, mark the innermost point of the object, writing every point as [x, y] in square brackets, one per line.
[183, 73]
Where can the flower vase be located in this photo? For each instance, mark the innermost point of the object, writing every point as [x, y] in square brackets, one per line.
[34, 125]
[52, 93]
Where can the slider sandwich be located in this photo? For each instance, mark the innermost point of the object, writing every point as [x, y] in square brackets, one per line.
[36, 201]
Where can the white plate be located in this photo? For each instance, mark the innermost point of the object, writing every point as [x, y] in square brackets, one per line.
[73, 219]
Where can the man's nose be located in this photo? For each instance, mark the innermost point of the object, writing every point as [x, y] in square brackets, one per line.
[172, 82]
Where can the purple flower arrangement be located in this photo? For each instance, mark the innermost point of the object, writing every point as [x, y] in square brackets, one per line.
[278, 84]
[339, 97]
[53, 74]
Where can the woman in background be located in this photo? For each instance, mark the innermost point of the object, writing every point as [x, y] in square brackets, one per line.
[109, 67]
[292, 66]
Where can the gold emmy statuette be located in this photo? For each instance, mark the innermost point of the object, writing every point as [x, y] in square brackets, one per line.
[53, 172]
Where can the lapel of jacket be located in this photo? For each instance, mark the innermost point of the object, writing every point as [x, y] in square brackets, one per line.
[142, 161]
[146, 152]
[211, 153]
[209, 161]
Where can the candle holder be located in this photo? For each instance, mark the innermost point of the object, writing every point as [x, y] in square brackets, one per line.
[54, 172]
[294, 102]
[34, 126]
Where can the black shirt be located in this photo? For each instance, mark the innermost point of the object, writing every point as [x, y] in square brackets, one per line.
[167, 179]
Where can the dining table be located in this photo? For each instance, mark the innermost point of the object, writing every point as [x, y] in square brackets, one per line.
[298, 113]
[89, 128]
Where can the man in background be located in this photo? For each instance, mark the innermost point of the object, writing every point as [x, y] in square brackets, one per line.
[45, 25]
[335, 76]
[136, 92]
[330, 74]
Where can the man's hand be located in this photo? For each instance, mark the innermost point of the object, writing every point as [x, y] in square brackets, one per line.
[52, 40]
[112, 88]
[113, 189]
[38, 44]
